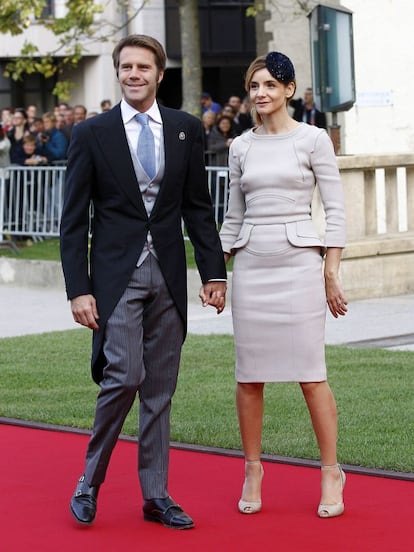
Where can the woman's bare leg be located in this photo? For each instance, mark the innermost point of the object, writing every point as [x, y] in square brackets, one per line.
[249, 401]
[322, 408]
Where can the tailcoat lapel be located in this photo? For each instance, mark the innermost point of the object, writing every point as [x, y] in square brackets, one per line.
[112, 140]
[173, 151]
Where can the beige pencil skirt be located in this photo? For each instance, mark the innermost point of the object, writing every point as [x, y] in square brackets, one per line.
[279, 309]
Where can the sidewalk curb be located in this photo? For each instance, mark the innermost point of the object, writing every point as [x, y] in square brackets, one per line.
[31, 273]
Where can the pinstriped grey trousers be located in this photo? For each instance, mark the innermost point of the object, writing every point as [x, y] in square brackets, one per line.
[142, 347]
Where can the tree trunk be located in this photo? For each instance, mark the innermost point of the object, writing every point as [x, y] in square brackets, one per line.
[262, 36]
[191, 56]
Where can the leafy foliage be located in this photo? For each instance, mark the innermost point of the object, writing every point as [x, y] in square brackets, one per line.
[81, 25]
[15, 15]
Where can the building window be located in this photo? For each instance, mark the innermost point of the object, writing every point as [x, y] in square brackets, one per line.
[32, 89]
[49, 9]
[225, 30]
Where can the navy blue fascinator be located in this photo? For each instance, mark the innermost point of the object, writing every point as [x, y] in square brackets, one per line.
[280, 67]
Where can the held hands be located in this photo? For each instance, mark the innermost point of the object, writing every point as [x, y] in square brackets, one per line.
[84, 311]
[214, 294]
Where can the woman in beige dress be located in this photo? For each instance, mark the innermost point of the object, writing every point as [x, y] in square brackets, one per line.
[280, 287]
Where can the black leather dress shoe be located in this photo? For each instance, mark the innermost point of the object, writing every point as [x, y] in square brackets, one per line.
[167, 512]
[83, 502]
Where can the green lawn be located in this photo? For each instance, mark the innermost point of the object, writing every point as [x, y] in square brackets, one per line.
[46, 378]
[48, 250]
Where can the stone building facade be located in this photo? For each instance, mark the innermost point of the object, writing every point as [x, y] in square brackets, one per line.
[381, 120]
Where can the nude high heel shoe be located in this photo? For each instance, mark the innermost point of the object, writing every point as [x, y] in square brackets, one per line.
[249, 506]
[333, 510]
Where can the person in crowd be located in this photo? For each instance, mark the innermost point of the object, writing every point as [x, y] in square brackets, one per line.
[69, 121]
[279, 291]
[4, 151]
[208, 118]
[229, 111]
[51, 143]
[134, 298]
[37, 126]
[6, 119]
[18, 130]
[207, 103]
[79, 114]
[219, 140]
[60, 120]
[31, 156]
[242, 118]
[31, 112]
[306, 112]
[235, 102]
[91, 114]
[73, 117]
[63, 106]
[106, 105]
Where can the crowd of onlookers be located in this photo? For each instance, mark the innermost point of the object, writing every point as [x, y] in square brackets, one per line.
[30, 139]
[222, 124]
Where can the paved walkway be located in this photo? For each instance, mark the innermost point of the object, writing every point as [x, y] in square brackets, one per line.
[385, 322]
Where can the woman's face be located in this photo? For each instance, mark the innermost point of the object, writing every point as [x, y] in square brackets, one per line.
[18, 119]
[224, 125]
[267, 94]
[48, 123]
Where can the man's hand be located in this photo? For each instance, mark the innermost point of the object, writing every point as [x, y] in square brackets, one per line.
[84, 311]
[214, 294]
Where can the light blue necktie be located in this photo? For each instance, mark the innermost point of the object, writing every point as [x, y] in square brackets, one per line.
[146, 146]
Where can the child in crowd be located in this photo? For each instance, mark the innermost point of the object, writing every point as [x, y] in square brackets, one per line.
[30, 154]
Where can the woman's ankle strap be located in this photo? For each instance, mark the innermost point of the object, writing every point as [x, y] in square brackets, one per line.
[331, 467]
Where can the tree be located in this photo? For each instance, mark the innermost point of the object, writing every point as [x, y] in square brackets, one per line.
[261, 11]
[75, 31]
[191, 56]
[84, 24]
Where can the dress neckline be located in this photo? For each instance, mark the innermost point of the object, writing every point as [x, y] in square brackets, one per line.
[280, 136]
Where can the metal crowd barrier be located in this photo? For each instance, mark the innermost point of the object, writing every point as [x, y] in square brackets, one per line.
[218, 185]
[31, 199]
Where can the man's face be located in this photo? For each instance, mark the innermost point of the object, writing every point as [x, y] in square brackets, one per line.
[308, 97]
[235, 102]
[79, 114]
[138, 76]
[206, 102]
[68, 114]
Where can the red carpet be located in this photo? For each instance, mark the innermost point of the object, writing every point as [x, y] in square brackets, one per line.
[39, 469]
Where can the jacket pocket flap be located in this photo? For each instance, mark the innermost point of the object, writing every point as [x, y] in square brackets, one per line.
[243, 237]
[302, 233]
